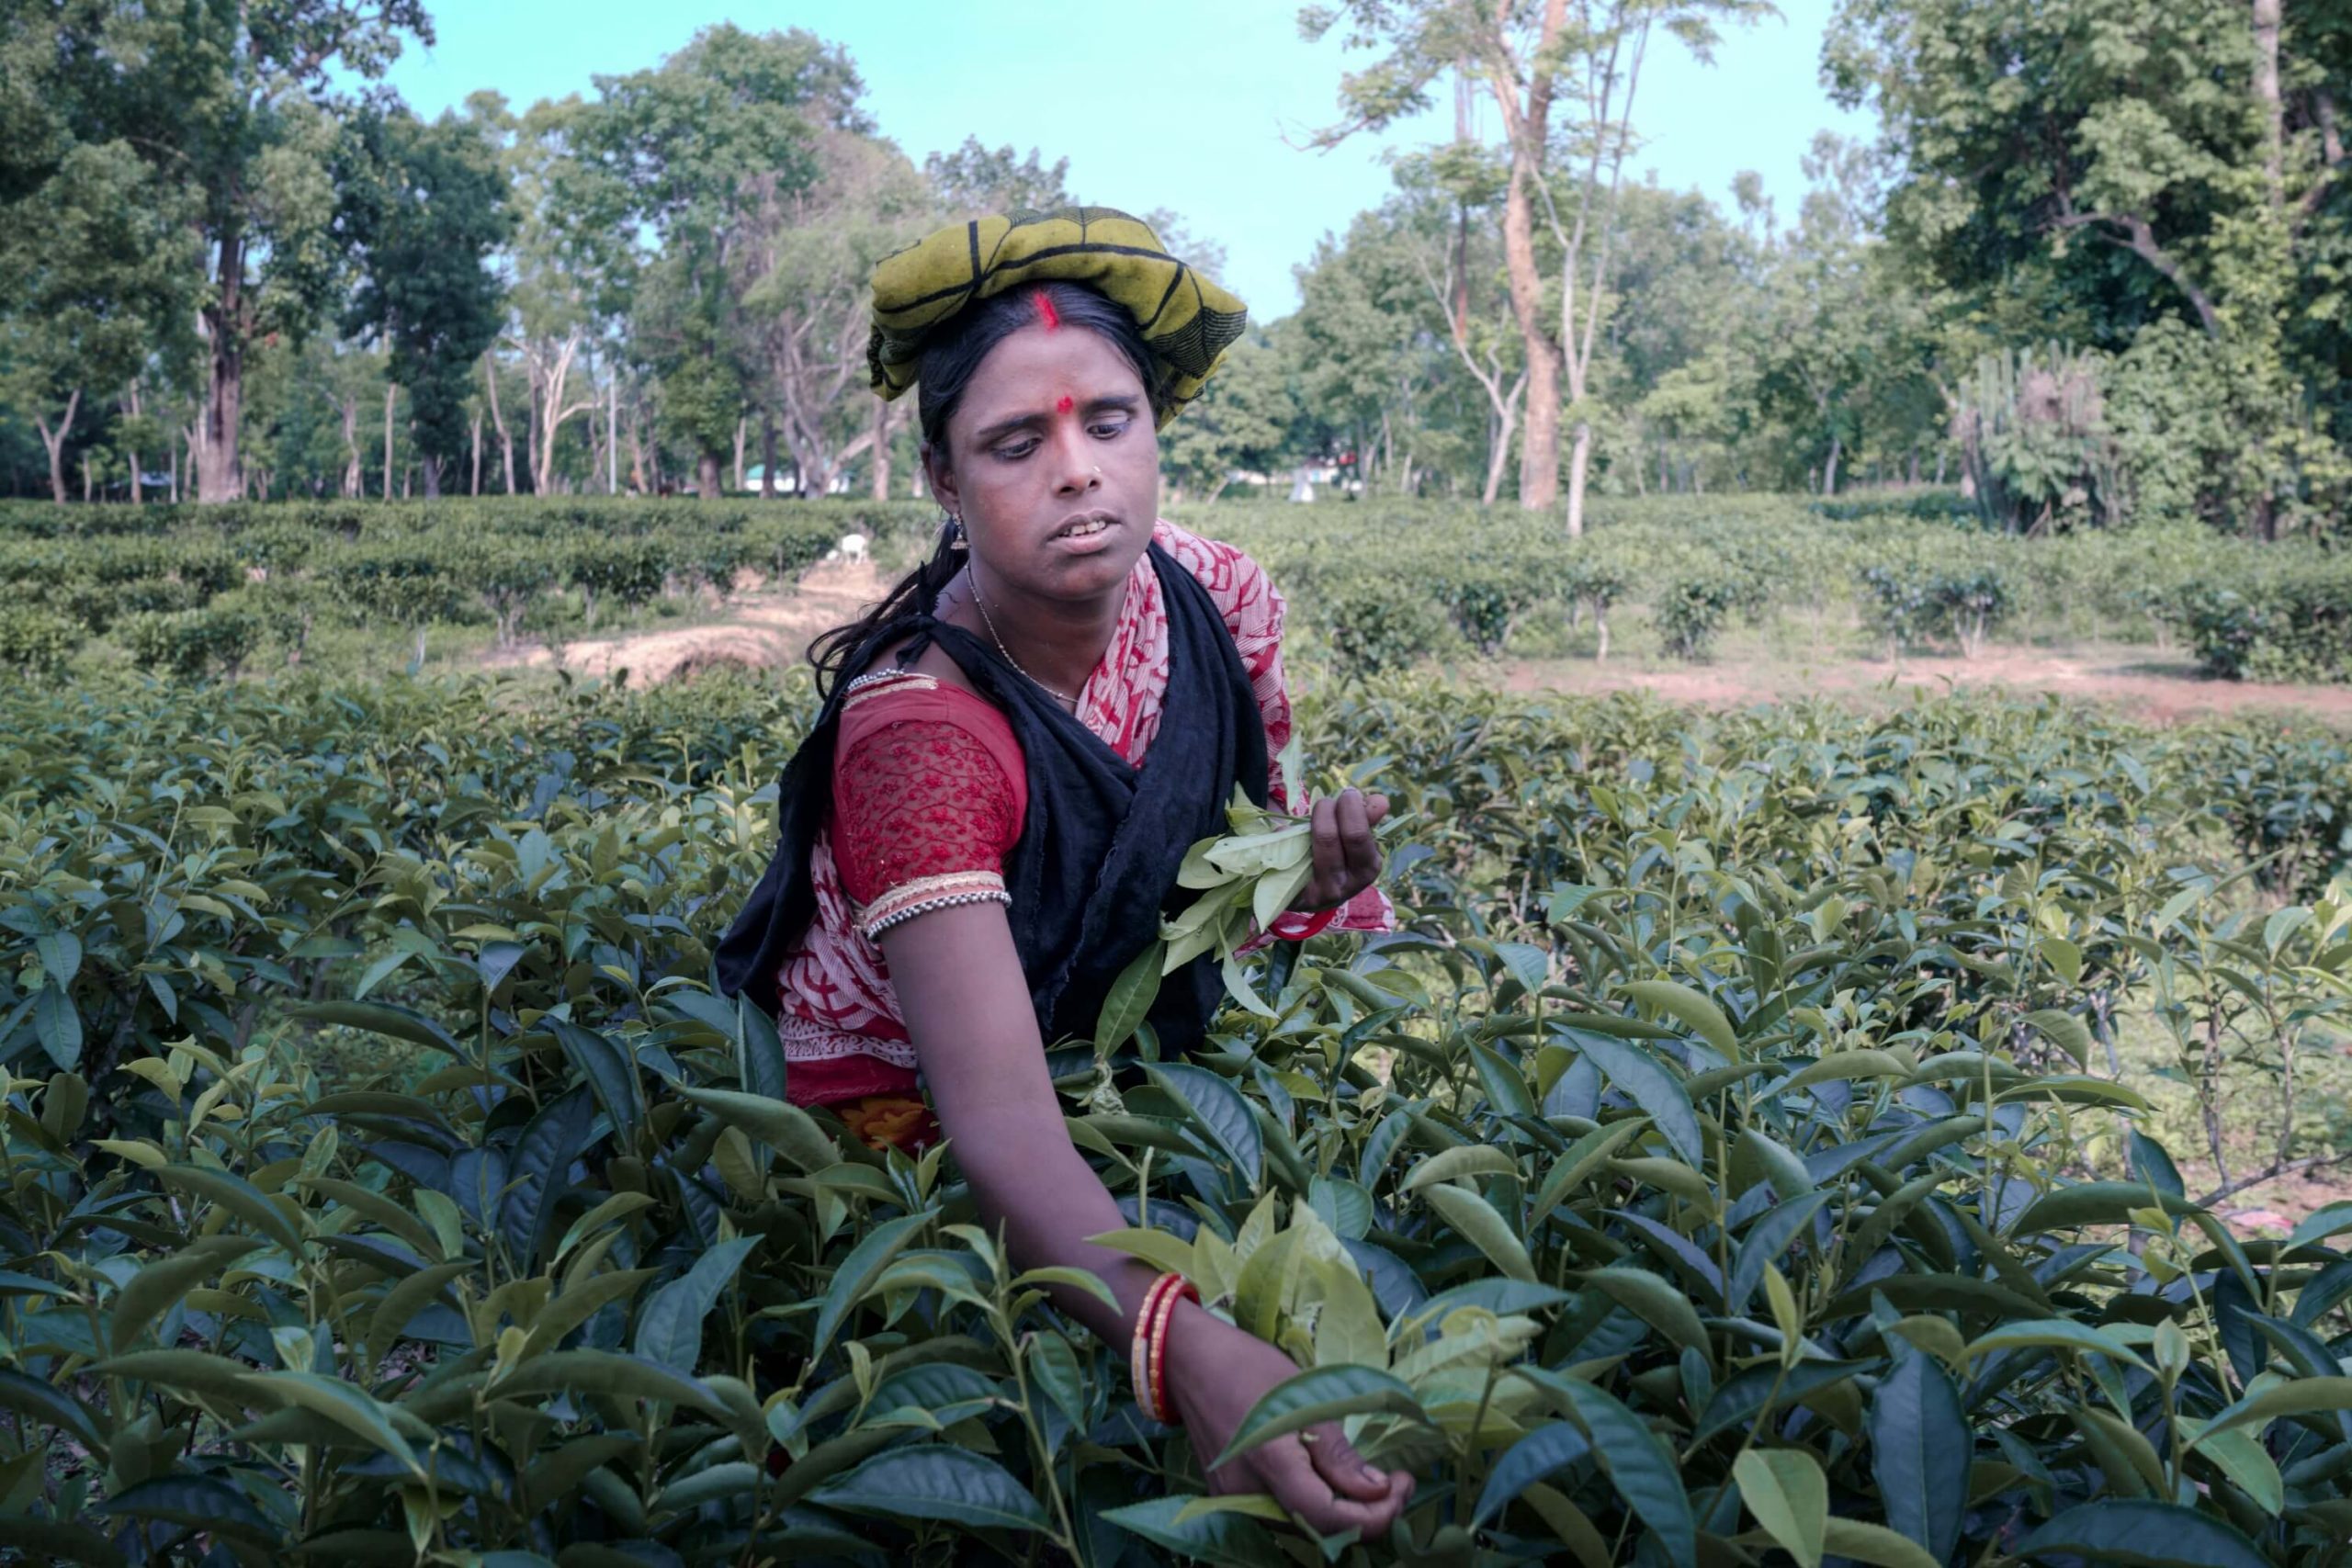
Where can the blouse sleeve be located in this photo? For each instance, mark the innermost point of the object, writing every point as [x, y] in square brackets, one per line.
[923, 816]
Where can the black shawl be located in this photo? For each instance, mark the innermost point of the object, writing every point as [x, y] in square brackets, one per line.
[1095, 865]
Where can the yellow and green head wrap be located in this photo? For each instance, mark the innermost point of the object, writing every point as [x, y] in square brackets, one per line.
[1187, 321]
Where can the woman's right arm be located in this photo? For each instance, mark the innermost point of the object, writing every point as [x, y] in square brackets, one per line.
[958, 982]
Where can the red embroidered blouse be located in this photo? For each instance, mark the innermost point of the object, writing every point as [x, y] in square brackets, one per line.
[930, 791]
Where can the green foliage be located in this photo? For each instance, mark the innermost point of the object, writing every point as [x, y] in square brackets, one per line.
[1910, 602]
[220, 636]
[1690, 611]
[2293, 624]
[690, 149]
[424, 205]
[2033, 438]
[2148, 181]
[1703, 1169]
[410, 567]
[1373, 627]
[35, 642]
[1380, 585]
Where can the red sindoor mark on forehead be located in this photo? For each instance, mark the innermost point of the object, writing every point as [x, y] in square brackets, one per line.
[1047, 316]
[1065, 403]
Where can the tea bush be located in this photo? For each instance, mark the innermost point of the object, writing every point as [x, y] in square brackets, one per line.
[2291, 622]
[1713, 1167]
[409, 565]
[1456, 578]
[35, 642]
[220, 636]
[1691, 612]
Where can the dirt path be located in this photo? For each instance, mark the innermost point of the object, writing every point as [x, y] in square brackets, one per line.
[2139, 681]
[763, 628]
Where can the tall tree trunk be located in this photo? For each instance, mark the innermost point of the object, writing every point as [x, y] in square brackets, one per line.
[1529, 128]
[2268, 17]
[355, 482]
[217, 476]
[1579, 474]
[767, 453]
[498, 421]
[1501, 423]
[476, 479]
[132, 408]
[432, 466]
[56, 446]
[1463, 92]
[881, 450]
[1538, 448]
[1829, 469]
[86, 478]
[1579, 469]
[707, 476]
[599, 452]
[740, 431]
[389, 391]
[2268, 20]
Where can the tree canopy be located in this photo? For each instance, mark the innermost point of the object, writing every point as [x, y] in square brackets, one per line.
[2093, 264]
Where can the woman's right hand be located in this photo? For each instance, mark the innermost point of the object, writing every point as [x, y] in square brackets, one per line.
[1216, 1372]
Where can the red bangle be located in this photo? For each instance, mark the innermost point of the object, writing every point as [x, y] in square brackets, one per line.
[1139, 1350]
[1182, 1289]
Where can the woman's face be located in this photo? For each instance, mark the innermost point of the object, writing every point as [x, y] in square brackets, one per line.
[1053, 464]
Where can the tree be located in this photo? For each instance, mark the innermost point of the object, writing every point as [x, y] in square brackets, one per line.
[2097, 167]
[689, 148]
[95, 286]
[1534, 61]
[1460, 264]
[811, 250]
[571, 273]
[1368, 345]
[1675, 343]
[238, 107]
[425, 207]
[1840, 343]
[974, 181]
[1244, 422]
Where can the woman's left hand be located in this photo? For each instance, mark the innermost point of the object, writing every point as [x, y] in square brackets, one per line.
[1347, 857]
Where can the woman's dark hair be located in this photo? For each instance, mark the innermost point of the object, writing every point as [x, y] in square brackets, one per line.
[950, 357]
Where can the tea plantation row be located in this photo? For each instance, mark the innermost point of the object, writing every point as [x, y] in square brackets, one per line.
[1718, 1168]
[191, 590]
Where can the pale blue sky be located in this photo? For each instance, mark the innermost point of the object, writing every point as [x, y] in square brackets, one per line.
[1191, 104]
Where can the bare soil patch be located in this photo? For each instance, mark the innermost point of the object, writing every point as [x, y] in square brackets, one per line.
[763, 628]
[2137, 681]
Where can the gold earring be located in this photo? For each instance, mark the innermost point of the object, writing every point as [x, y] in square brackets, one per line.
[955, 538]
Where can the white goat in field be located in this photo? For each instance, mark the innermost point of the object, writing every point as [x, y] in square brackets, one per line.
[852, 549]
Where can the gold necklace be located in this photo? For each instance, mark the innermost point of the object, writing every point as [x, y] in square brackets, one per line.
[990, 622]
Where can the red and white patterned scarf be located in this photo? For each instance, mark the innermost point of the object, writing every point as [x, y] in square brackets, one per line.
[838, 1017]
